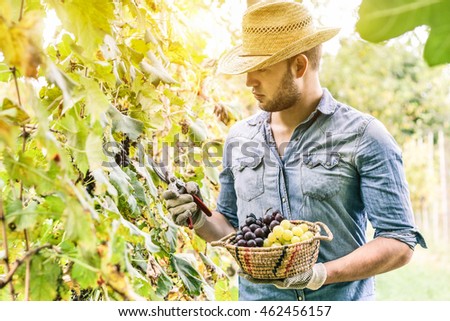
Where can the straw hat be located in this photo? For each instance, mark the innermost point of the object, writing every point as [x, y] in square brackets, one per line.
[273, 32]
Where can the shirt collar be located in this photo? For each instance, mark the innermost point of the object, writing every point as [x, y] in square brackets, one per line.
[327, 106]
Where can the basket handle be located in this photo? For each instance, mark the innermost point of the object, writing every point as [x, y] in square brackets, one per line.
[223, 240]
[328, 236]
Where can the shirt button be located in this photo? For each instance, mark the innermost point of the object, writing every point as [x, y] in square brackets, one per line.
[284, 199]
[300, 298]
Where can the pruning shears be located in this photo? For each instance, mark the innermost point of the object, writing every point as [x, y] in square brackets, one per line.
[177, 185]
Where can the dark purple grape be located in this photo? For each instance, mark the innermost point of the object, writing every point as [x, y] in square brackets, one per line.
[259, 242]
[279, 217]
[249, 221]
[273, 224]
[239, 237]
[249, 236]
[259, 222]
[267, 219]
[265, 230]
[253, 227]
[251, 243]
[242, 243]
[275, 213]
[259, 233]
[252, 215]
[246, 229]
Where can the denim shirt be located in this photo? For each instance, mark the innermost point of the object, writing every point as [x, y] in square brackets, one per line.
[341, 167]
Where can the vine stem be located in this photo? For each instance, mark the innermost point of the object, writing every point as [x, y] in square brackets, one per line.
[19, 262]
[24, 135]
[21, 10]
[5, 244]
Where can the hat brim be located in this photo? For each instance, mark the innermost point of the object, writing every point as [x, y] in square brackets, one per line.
[236, 62]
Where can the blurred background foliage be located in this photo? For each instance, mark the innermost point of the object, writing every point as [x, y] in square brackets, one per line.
[87, 90]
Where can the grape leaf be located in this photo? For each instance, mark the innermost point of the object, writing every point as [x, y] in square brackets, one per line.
[89, 23]
[381, 20]
[187, 272]
[85, 277]
[127, 125]
[44, 278]
[20, 43]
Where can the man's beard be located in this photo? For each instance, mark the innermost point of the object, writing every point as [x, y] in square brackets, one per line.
[286, 97]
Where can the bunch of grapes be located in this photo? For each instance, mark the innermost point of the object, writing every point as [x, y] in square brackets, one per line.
[255, 231]
[122, 157]
[288, 233]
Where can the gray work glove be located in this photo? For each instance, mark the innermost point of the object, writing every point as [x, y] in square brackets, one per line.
[312, 279]
[182, 206]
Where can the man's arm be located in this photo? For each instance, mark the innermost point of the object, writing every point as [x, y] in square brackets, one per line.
[378, 256]
[215, 227]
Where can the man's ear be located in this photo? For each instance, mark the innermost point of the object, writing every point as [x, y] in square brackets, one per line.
[301, 65]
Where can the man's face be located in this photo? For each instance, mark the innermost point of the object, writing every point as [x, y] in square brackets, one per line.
[274, 87]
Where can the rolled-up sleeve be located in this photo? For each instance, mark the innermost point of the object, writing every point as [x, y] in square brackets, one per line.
[384, 188]
[227, 202]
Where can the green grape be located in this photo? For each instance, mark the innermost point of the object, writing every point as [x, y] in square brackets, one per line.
[297, 230]
[304, 227]
[278, 231]
[287, 235]
[286, 224]
[272, 238]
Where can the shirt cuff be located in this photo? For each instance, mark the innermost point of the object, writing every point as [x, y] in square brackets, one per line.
[409, 237]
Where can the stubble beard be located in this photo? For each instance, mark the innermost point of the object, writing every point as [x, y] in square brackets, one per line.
[287, 95]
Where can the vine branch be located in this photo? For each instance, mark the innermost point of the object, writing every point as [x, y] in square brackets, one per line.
[7, 279]
[21, 10]
[5, 244]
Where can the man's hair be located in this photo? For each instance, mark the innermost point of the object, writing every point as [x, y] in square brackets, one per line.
[314, 54]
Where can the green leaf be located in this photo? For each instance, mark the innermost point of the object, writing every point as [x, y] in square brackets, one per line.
[27, 218]
[186, 270]
[120, 180]
[89, 23]
[141, 169]
[44, 278]
[66, 84]
[94, 151]
[5, 72]
[96, 101]
[139, 191]
[85, 277]
[102, 183]
[198, 131]
[79, 226]
[385, 19]
[127, 125]
[134, 230]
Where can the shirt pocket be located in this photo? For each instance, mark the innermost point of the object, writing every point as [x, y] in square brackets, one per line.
[321, 175]
[249, 177]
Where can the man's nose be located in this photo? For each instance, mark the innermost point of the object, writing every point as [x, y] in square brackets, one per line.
[251, 79]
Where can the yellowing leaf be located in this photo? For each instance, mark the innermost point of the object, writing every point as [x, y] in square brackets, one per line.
[21, 43]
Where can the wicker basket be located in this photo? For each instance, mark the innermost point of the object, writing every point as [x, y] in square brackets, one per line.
[278, 262]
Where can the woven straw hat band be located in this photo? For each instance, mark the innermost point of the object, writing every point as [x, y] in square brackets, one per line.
[272, 29]
[271, 32]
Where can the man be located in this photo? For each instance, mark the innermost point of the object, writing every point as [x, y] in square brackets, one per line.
[311, 157]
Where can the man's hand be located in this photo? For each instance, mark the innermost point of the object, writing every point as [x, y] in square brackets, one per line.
[312, 279]
[182, 206]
